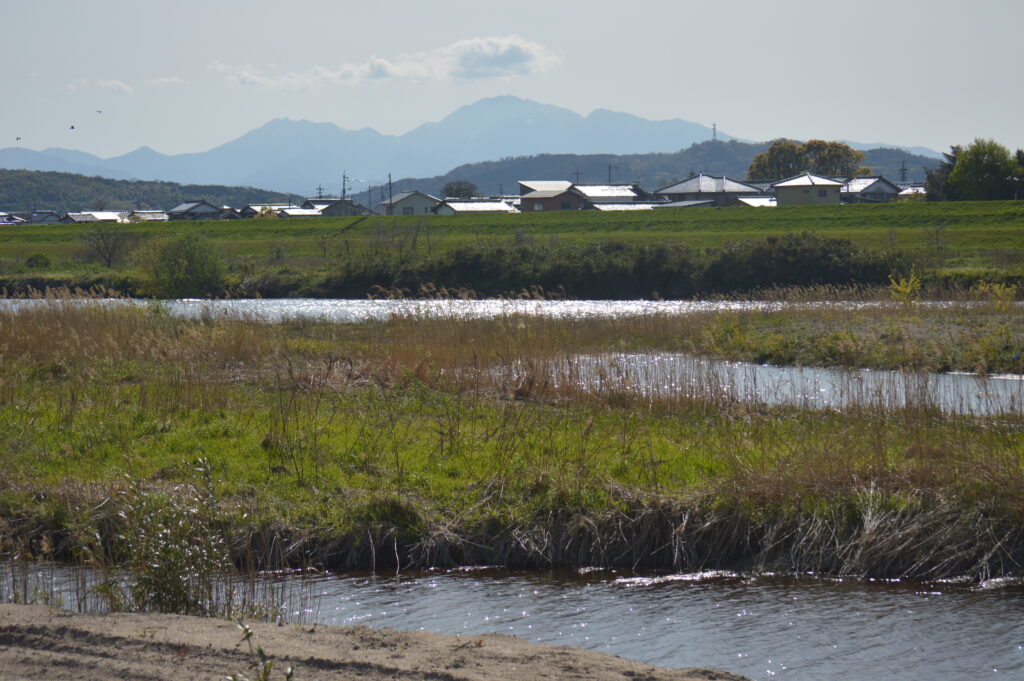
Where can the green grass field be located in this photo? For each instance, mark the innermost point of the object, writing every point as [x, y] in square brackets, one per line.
[973, 238]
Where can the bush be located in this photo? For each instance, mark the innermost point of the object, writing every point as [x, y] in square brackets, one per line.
[186, 267]
[37, 261]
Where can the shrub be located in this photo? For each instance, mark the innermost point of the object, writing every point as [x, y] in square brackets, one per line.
[37, 261]
[186, 267]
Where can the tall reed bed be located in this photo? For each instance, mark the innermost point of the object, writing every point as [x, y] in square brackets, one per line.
[180, 449]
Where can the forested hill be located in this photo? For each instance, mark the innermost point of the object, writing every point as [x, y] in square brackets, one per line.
[652, 170]
[25, 190]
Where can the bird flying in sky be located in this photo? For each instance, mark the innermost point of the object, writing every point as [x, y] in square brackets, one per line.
[71, 128]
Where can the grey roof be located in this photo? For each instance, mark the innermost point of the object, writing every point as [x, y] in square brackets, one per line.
[404, 195]
[606, 191]
[189, 206]
[709, 184]
[544, 185]
[858, 185]
[80, 217]
[758, 201]
[684, 204]
[807, 180]
[545, 193]
[490, 206]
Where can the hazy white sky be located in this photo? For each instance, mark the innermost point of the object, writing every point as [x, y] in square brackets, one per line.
[187, 75]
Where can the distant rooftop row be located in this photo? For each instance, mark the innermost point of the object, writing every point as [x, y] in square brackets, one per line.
[534, 196]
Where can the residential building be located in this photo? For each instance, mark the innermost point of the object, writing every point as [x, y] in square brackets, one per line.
[195, 210]
[874, 189]
[146, 216]
[527, 186]
[408, 203]
[254, 209]
[720, 190]
[475, 205]
[553, 199]
[299, 213]
[94, 216]
[610, 193]
[807, 189]
[43, 217]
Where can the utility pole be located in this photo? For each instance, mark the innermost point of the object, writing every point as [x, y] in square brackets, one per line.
[610, 166]
[344, 183]
[391, 197]
[319, 192]
[714, 132]
[577, 174]
[903, 170]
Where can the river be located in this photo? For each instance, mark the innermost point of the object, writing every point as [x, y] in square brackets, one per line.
[797, 629]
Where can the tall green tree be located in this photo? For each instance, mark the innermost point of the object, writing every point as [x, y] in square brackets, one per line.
[985, 171]
[785, 158]
[459, 189]
[832, 158]
[936, 180]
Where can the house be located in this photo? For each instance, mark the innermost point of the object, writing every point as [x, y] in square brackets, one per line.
[807, 189]
[527, 186]
[610, 193]
[721, 190]
[43, 217]
[195, 210]
[476, 205]
[299, 213]
[319, 203]
[553, 199]
[408, 203]
[343, 208]
[875, 189]
[254, 209]
[93, 216]
[146, 216]
[10, 219]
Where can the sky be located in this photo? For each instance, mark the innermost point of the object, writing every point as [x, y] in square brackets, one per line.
[189, 75]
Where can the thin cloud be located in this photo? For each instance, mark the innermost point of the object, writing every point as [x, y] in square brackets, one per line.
[113, 85]
[163, 81]
[471, 59]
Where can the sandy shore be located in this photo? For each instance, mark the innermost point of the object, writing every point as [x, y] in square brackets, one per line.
[40, 643]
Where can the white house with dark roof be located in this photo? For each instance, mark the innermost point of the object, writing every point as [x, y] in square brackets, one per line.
[875, 189]
[409, 203]
[807, 189]
[721, 190]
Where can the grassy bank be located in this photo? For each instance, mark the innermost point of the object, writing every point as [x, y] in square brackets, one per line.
[948, 242]
[127, 434]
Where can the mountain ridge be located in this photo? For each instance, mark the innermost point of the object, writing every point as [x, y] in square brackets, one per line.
[298, 155]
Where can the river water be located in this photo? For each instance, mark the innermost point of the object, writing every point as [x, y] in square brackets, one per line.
[658, 374]
[797, 629]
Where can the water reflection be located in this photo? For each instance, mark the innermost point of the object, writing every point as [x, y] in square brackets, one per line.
[799, 629]
[764, 628]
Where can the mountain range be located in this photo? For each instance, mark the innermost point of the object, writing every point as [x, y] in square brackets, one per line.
[297, 156]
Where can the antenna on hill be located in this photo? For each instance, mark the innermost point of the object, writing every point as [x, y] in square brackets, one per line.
[903, 170]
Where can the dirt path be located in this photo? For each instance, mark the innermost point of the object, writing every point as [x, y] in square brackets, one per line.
[39, 643]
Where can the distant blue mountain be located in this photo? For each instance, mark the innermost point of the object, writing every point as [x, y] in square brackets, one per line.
[296, 156]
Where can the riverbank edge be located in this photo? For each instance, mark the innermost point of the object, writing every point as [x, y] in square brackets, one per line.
[875, 536]
[37, 642]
